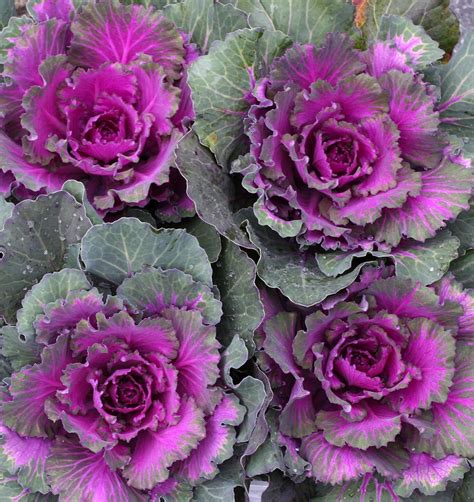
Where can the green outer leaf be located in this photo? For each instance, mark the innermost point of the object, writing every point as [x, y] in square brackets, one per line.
[433, 15]
[205, 20]
[220, 83]
[207, 236]
[392, 26]
[424, 262]
[456, 83]
[463, 228]
[174, 287]
[250, 390]
[6, 209]
[221, 487]
[282, 488]
[20, 353]
[210, 188]
[114, 251]
[294, 273]
[78, 191]
[269, 455]
[7, 10]
[466, 491]
[463, 269]
[34, 242]
[235, 277]
[351, 492]
[305, 21]
[51, 287]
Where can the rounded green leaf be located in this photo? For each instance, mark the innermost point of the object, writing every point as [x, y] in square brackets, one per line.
[34, 241]
[114, 251]
[205, 20]
[220, 83]
[305, 21]
[294, 273]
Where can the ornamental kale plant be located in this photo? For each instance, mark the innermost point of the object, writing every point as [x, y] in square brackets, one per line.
[379, 386]
[96, 94]
[119, 396]
[345, 147]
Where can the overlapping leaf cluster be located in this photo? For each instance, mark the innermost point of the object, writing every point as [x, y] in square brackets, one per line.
[235, 247]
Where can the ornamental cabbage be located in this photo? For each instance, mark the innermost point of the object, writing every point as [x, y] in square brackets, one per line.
[97, 95]
[345, 147]
[381, 383]
[119, 397]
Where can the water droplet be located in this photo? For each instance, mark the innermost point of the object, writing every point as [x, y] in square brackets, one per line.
[45, 252]
[431, 269]
[30, 224]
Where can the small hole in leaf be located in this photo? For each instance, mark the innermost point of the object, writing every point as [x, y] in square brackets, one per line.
[22, 337]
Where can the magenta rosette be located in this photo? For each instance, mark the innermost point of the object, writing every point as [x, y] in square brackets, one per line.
[346, 150]
[379, 386]
[97, 94]
[122, 399]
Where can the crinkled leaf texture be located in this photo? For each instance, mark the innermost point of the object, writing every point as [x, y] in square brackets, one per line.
[375, 383]
[331, 149]
[120, 397]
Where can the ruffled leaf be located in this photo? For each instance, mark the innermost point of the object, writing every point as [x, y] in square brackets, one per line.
[110, 32]
[154, 290]
[331, 464]
[79, 474]
[113, 251]
[31, 387]
[431, 350]
[378, 427]
[452, 419]
[445, 192]
[43, 10]
[34, 242]
[198, 355]
[451, 291]
[33, 176]
[410, 300]
[411, 40]
[51, 287]
[429, 475]
[412, 110]
[434, 15]
[155, 452]
[25, 457]
[218, 444]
